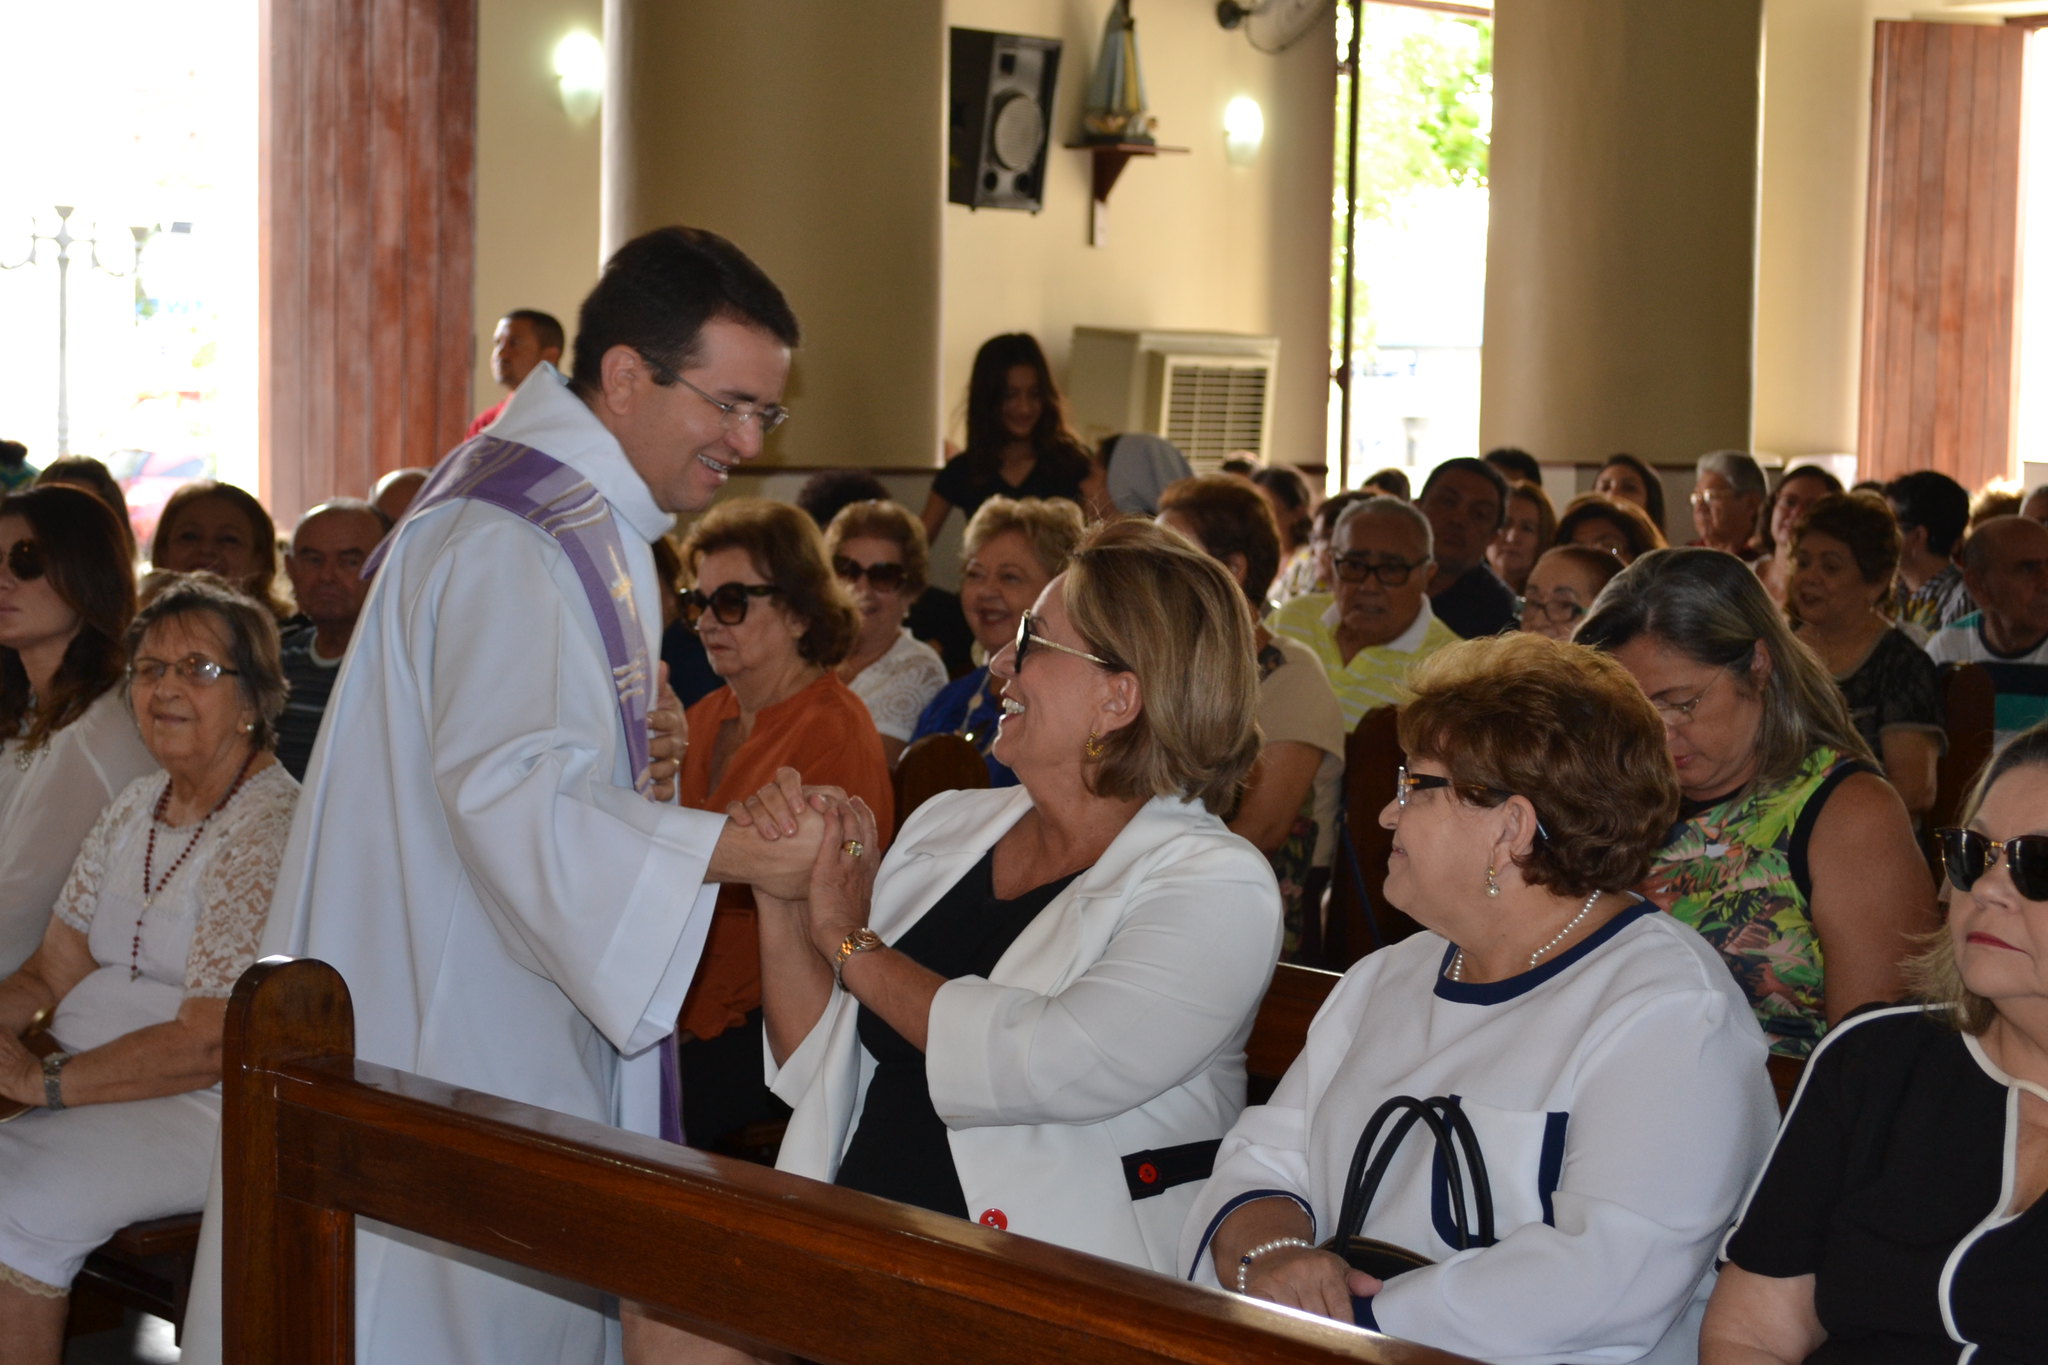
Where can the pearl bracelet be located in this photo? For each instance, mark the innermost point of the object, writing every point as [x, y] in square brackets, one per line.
[1244, 1262]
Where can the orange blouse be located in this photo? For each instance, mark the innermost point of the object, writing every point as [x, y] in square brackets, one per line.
[825, 733]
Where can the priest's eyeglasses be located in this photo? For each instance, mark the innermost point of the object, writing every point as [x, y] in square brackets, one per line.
[25, 561]
[735, 415]
[1967, 855]
[728, 603]
[1028, 640]
[196, 669]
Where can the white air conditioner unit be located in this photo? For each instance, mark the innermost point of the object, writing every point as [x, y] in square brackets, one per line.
[1210, 393]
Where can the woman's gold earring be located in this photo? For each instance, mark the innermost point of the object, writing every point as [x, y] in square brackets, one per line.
[1492, 886]
[1093, 745]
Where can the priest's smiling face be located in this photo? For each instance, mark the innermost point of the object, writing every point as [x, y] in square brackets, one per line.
[680, 441]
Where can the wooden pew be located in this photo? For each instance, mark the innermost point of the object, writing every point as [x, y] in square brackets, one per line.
[313, 1138]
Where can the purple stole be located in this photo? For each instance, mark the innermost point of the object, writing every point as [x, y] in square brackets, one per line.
[556, 500]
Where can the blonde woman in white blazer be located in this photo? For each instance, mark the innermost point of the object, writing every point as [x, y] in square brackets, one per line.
[1073, 1084]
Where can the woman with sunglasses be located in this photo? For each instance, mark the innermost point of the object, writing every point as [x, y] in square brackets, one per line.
[1610, 1072]
[775, 624]
[1792, 854]
[68, 744]
[878, 551]
[162, 912]
[1899, 1218]
[1035, 1015]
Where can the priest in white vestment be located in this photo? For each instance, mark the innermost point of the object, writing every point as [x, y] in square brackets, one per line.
[471, 853]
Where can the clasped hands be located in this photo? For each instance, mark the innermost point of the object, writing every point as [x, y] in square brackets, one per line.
[21, 1071]
[838, 835]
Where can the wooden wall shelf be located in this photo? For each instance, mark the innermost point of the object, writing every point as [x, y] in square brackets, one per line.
[1110, 160]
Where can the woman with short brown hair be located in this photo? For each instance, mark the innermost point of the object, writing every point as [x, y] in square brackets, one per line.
[1609, 1071]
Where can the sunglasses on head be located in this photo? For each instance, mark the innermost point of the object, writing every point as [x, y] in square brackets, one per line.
[728, 604]
[1967, 855]
[25, 561]
[881, 577]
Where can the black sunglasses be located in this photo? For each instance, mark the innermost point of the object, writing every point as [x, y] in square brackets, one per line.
[728, 603]
[1967, 855]
[25, 561]
[881, 577]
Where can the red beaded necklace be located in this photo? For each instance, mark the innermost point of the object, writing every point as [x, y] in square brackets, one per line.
[151, 887]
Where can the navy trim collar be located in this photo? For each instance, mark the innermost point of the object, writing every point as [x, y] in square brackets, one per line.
[1499, 992]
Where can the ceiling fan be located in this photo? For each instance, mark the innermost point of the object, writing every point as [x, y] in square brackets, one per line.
[1272, 25]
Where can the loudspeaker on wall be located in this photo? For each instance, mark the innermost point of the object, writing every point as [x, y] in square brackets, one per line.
[1000, 118]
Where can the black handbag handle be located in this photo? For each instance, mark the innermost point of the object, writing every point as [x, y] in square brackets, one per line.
[1451, 1129]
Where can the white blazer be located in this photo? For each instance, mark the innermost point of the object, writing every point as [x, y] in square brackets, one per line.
[1114, 1025]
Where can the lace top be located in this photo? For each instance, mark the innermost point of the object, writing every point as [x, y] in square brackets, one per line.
[899, 685]
[203, 928]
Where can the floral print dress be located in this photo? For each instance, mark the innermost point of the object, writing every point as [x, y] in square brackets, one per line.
[1736, 872]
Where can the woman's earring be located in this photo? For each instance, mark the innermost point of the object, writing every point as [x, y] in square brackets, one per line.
[1492, 886]
[1093, 745]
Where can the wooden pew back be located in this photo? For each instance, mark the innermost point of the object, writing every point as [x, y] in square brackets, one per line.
[313, 1139]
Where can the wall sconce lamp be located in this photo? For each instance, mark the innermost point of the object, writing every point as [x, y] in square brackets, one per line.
[579, 74]
[1244, 128]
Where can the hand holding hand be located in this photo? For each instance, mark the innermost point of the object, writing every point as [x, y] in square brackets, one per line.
[1311, 1280]
[843, 875]
[21, 1072]
[773, 812]
[668, 739]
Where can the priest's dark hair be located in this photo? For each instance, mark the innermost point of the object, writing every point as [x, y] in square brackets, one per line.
[657, 292]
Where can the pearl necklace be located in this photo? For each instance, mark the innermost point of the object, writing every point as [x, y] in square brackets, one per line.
[153, 887]
[1457, 972]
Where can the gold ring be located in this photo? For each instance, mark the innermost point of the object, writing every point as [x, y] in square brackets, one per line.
[853, 848]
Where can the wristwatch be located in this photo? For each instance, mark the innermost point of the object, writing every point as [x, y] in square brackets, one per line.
[859, 941]
[53, 1080]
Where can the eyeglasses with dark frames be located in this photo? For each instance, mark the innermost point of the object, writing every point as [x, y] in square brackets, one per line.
[728, 603]
[193, 668]
[1559, 611]
[1406, 783]
[1356, 568]
[1028, 639]
[883, 577]
[733, 416]
[25, 561]
[1967, 855]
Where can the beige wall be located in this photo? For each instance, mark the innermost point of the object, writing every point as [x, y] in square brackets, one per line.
[1192, 242]
[1620, 272]
[537, 174]
[809, 132]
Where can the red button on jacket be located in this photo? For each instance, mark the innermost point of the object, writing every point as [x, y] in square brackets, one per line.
[995, 1218]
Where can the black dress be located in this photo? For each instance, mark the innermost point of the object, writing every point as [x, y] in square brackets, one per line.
[899, 1149]
[1889, 1176]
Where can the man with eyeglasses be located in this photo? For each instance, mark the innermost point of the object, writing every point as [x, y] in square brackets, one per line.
[477, 849]
[2005, 567]
[1378, 622]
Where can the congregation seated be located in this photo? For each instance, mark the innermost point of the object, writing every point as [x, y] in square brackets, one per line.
[1612, 525]
[162, 911]
[1378, 622]
[934, 617]
[1933, 511]
[1466, 501]
[1796, 492]
[1729, 489]
[1289, 807]
[1843, 553]
[222, 529]
[1562, 588]
[775, 623]
[1594, 1050]
[1525, 533]
[878, 551]
[329, 548]
[1013, 548]
[1628, 478]
[1898, 1217]
[68, 744]
[1792, 854]
[1310, 570]
[2005, 568]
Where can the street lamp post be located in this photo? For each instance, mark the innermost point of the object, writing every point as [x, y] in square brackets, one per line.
[63, 240]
